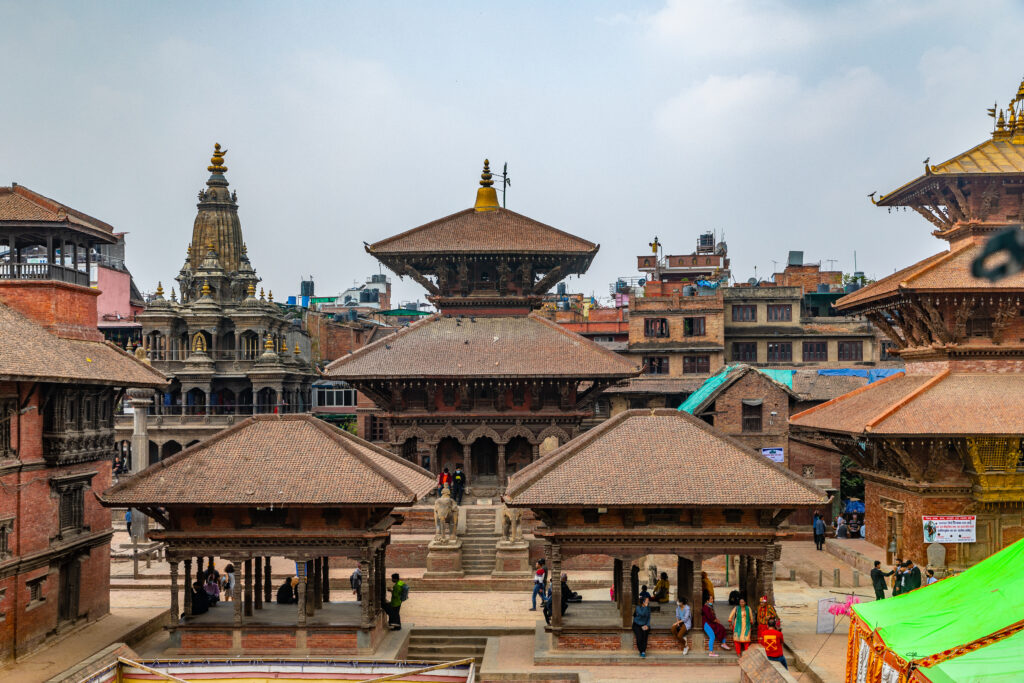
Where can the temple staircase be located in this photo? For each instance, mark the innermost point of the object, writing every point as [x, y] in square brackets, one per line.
[447, 645]
[480, 540]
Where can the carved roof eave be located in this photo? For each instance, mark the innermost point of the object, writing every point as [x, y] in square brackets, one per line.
[919, 187]
[891, 299]
[407, 378]
[864, 435]
[581, 260]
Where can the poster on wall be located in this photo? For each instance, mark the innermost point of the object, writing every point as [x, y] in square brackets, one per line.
[949, 528]
[774, 454]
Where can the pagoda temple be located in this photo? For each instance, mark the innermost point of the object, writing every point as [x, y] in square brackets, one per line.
[230, 353]
[945, 439]
[485, 381]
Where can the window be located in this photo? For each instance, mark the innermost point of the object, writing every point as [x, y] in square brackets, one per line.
[887, 351]
[780, 352]
[979, 327]
[6, 530]
[6, 408]
[732, 515]
[693, 327]
[752, 415]
[656, 365]
[744, 314]
[448, 395]
[655, 327]
[744, 351]
[35, 590]
[808, 471]
[851, 350]
[696, 365]
[602, 407]
[72, 509]
[376, 428]
[780, 312]
[335, 396]
[815, 351]
[518, 395]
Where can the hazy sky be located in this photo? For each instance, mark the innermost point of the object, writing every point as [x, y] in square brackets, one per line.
[351, 121]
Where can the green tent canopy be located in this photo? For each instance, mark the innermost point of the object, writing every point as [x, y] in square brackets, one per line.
[1000, 662]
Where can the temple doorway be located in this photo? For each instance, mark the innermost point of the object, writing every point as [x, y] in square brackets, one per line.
[484, 454]
[67, 594]
[518, 454]
[449, 454]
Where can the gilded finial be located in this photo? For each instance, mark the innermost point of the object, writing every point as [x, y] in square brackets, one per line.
[284, 346]
[174, 297]
[486, 195]
[206, 288]
[251, 291]
[217, 160]
[245, 249]
[269, 345]
[159, 290]
[485, 177]
[270, 296]
[297, 351]
[261, 294]
[1020, 92]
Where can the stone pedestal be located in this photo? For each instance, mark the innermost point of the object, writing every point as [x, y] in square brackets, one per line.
[444, 560]
[512, 560]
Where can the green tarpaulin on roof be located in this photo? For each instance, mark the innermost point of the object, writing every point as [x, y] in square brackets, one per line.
[1000, 662]
[716, 380]
[957, 610]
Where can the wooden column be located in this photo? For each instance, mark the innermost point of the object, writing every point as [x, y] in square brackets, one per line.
[268, 581]
[696, 591]
[300, 565]
[236, 595]
[501, 468]
[318, 583]
[626, 580]
[555, 560]
[367, 569]
[248, 587]
[175, 613]
[188, 586]
[467, 461]
[684, 587]
[617, 582]
[258, 583]
[310, 581]
[750, 588]
[634, 583]
[326, 578]
[536, 451]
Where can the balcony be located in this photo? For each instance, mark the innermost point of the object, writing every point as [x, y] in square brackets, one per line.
[14, 270]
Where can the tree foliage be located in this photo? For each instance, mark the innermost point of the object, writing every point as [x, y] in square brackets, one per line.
[851, 484]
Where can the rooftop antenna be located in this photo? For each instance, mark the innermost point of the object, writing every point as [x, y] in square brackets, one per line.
[775, 265]
[831, 263]
[505, 183]
[855, 260]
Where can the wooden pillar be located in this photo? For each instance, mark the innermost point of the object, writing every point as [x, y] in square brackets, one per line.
[501, 468]
[258, 583]
[175, 613]
[536, 451]
[750, 587]
[300, 565]
[318, 584]
[326, 571]
[236, 594]
[248, 587]
[684, 587]
[188, 586]
[555, 560]
[199, 569]
[467, 461]
[634, 583]
[741, 572]
[696, 590]
[767, 587]
[617, 582]
[367, 569]
[310, 582]
[434, 465]
[268, 581]
[626, 580]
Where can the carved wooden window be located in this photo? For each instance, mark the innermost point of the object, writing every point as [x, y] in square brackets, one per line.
[808, 471]
[780, 352]
[655, 327]
[448, 395]
[656, 365]
[752, 409]
[815, 352]
[744, 351]
[274, 517]
[518, 395]
[590, 516]
[203, 516]
[72, 509]
[696, 365]
[732, 515]
[602, 407]
[377, 429]
[7, 409]
[694, 327]
[35, 590]
[780, 312]
[6, 532]
[332, 516]
[979, 327]
[744, 314]
[851, 350]
[415, 398]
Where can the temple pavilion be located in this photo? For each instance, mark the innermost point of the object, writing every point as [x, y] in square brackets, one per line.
[277, 485]
[945, 439]
[655, 482]
[485, 382]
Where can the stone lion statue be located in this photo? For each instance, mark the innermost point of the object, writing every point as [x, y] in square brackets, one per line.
[446, 517]
[511, 524]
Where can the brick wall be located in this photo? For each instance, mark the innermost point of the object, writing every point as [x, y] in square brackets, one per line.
[64, 309]
[269, 640]
[211, 640]
[333, 641]
[808, 277]
[826, 466]
[728, 408]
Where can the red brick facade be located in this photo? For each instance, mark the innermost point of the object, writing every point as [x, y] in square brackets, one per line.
[66, 310]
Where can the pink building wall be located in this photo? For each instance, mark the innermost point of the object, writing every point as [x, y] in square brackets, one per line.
[115, 294]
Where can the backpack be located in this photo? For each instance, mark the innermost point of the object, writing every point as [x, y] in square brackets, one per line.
[405, 592]
[458, 478]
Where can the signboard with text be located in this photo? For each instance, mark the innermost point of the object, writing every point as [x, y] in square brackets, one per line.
[949, 528]
[774, 454]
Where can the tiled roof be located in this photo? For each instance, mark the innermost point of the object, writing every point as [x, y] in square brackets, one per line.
[663, 458]
[990, 157]
[945, 271]
[499, 346]
[472, 231]
[811, 386]
[28, 352]
[646, 384]
[925, 404]
[18, 203]
[277, 460]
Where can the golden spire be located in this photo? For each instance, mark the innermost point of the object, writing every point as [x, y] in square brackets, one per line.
[486, 196]
[252, 290]
[160, 289]
[261, 294]
[217, 160]
[284, 346]
[174, 297]
[297, 351]
[1020, 92]
[269, 345]
[206, 288]
[270, 296]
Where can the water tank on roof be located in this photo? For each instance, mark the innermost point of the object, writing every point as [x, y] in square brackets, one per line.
[858, 275]
[348, 297]
[353, 315]
[306, 288]
[689, 290]
[560, 288]
[852, 287]
[796, 258]
[379, 277]
[620, 285]
[374, 294]
[364, 296]
[822, 288]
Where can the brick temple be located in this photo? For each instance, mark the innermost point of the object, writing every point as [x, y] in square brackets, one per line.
[944, 439]
[485, 382]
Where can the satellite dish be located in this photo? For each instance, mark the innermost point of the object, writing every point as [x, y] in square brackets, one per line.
[752, 282]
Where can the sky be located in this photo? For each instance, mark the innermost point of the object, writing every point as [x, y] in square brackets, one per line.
[347, 122]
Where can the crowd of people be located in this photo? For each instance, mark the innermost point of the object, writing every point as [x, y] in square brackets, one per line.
[906, 576]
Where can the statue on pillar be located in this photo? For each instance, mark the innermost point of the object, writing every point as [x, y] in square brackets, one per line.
[446, 518]
[511, 525]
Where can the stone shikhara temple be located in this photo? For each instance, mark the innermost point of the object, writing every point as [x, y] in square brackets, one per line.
[484, 382]
[945, 438]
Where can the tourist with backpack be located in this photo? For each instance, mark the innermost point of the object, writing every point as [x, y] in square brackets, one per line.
[458, 484]
[393, 608]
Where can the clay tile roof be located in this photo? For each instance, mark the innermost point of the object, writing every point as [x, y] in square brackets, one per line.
[500, 346]
[283, 460]
[811, 386]
[663, 458]
[945, 271]
[20, 204]
[924, 404]
[656, 385]
[472, 231]
[28, 352]
[990, 157]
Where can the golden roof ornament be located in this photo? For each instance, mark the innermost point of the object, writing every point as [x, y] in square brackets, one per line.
[217, 160]
[270, 296]
[160, 290]
[269, 344]
[251, 290]
[284, 346]
[174, 297]
[486, 196]
[261, 294]
[206, 291]
[297, 351]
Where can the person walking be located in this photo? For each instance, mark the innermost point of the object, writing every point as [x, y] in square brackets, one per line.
[931, 578]
[227, 583]
[538, 585]
[393, 608]
[684, 622]
[287, 592]
[878, 580]
[128, 521]
[819, 531]
[771, 640]
[741, 621]
[355, 582]
[712, 627]
[458, 484]
[444, 479]
[642, 625]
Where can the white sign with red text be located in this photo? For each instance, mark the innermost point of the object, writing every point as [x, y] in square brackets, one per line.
[949, 528]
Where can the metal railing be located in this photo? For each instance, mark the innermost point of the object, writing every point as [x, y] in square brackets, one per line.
[14, 270]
